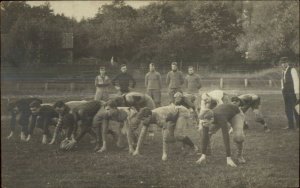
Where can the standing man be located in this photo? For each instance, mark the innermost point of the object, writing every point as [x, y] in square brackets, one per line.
[122, 81]
[290, 92]
[192, 82]
[102, 83]
[153, 84]
[174, 81]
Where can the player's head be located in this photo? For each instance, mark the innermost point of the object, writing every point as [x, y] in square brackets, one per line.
[284, 62]
[111, 108]
[144, 115]
[236, 101]
[191, 70]
[102, 70]
[209, 103]
[12, 107]
[111, 104]
[123, 68]
[178, 97]
[206, 118]
[59, 107]
[174, 66]
[35, 107]
[151, 67]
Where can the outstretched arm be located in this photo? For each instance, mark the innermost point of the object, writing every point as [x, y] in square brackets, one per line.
[146, 80]
[58, 128]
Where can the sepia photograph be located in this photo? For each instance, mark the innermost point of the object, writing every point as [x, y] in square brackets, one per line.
[150, 94]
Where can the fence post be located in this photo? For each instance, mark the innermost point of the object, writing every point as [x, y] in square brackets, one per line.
[18, 86]
[221, 83]
[72, 86]
[46, 86]
[270, 83]
[246, 82]
[281, 81]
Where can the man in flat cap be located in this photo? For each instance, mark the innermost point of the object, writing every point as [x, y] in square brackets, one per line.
[290, 92]
[174, 81]
[102, 83]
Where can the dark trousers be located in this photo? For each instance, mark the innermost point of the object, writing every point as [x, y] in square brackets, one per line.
[22, 119]
[42, 123]
[290, 101]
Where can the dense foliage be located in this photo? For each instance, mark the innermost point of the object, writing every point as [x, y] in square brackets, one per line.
[207, 32]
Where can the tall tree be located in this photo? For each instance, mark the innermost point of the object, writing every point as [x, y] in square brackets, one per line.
[273, 32]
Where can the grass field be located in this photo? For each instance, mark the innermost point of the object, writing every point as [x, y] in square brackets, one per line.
[272, 160]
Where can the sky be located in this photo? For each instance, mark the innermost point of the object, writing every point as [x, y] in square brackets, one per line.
[79, 9]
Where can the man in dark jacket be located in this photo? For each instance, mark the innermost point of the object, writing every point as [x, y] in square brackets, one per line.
[290, 92]
[19, 114]
[122, 81]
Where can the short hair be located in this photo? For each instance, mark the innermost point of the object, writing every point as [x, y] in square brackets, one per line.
[237, 99]
[102, 68]
[35, 104]
[59, 104]
[190, 67]
[174, 63]
[123, 65]
[206, 114]
[144, 112]
[178, 94]
[213, 104]
[152, 64]
[111, 103]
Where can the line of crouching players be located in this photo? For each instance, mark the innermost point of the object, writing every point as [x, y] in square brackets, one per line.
[136, 113]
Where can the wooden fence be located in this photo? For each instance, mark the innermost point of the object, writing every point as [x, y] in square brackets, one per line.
[70, 86]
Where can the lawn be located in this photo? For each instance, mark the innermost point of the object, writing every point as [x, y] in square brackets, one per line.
[272, 160]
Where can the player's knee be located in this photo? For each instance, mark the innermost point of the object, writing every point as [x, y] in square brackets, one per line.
[169, 139]
[239, 138]
[260, 120]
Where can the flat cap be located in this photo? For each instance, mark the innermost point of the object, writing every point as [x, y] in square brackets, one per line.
[283, 59]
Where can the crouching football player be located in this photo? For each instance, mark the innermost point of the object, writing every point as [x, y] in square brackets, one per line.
[187, 100]
[41, 117]
[167, 117]
[122, 115]
[134, 99]
[65, 119]
[218, 118]
[19, 114]
[69, 119]
[251, 101]
[218, 96]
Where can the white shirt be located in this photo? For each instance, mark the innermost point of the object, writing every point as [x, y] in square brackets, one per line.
[294, 77]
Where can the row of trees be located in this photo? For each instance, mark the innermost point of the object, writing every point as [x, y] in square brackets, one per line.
[188, 31]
